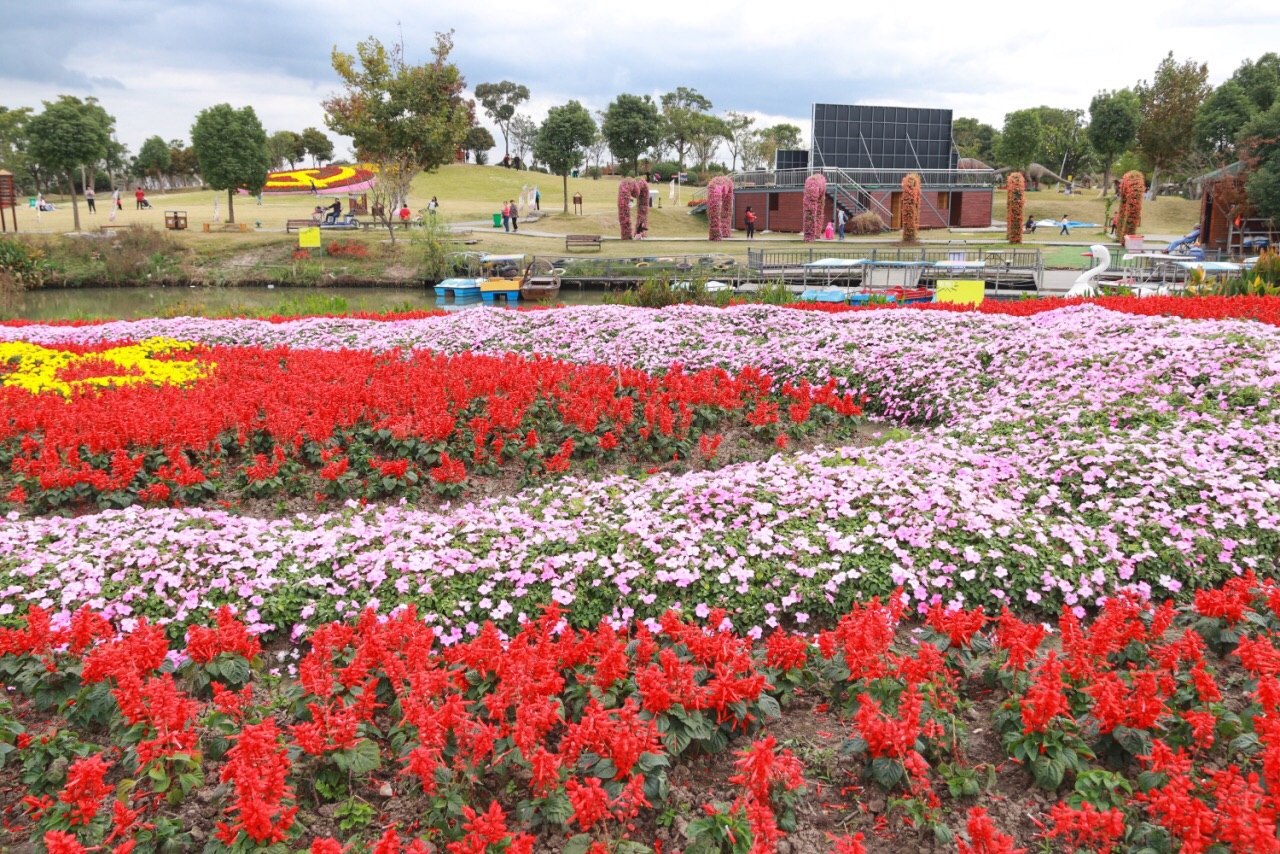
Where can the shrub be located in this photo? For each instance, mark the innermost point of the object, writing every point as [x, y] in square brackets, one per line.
[21, 266]
[867, 222]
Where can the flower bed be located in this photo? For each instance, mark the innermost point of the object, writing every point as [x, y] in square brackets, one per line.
[1059, 458]
[1119, 736]
[325, 179]
[171, 422]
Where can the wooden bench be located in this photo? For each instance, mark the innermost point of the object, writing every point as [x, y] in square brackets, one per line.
[367, 224]
[225, 226]
[298, 224]
[581, 240]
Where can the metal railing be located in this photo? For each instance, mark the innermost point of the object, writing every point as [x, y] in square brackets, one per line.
[877, 178]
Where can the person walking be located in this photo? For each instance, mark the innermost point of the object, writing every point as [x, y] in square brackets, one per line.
[1065, 226]
[139, 195]
[841, 219]
[515, 215]
[432, 205]
[90, 200]
[537, 199]
[506, 217]
[750, 218]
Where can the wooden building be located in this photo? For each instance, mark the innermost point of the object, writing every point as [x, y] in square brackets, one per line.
[1228, 223]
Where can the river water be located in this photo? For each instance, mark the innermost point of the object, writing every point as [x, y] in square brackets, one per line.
[93, 303]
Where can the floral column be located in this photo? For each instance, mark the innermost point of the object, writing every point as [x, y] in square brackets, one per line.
[815, 194]
[1132, 186]
[719, 208]
[910, 208]
[1016, 195]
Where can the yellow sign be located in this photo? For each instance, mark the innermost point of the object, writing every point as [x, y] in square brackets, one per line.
[309, 238]
[961, 291]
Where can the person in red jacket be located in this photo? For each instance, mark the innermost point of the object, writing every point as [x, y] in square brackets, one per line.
[140, 196]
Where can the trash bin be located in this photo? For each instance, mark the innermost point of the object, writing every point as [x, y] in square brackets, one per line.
[653, 198]
[1134, 242]
[31, 201]
[573, 174]
[497, 220]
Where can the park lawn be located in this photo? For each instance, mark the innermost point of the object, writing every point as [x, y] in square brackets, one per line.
[1166, 215]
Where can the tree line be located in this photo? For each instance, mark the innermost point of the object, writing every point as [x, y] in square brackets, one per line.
[1173, 127]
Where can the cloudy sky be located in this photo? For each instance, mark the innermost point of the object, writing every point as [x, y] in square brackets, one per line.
[155, 63]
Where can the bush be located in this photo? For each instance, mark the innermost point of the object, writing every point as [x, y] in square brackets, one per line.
[667, 170]
[21, 265]
[595, 173]
[866, 222]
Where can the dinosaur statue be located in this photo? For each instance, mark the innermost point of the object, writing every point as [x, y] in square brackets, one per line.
[1038, 174]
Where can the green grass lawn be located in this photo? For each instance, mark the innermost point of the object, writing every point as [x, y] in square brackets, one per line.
[472, 194]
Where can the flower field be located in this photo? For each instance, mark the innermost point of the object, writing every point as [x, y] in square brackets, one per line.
[695, 495]
[324, 179]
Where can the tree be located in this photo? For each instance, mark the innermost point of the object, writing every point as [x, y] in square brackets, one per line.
[1260, 80]
[13, 146]
[1064, 144]
[1261, 143]
[478, 142]
[183, 163]
[740, 133]
[975, 140]
[65, 137]
[1222, 116]
[680, 112]
[500, 101]
[706, 134]
[1020, 140]
[1113, 124]
[231, 148]
[631, 124]
[317, 144]
[404, 118]
[154, 158]
[564, 134]
[596, 150]
[783, 136]
[524, 133]
[1169, 105]
[280, 147]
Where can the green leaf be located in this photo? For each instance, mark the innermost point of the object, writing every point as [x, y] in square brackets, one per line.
[556, 809]
[578, 844]
[769, 707]
[363, 758]
[887, 772]
[1048, 773]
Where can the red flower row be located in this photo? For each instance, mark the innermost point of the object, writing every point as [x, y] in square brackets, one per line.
[373, 424]
[590, 721]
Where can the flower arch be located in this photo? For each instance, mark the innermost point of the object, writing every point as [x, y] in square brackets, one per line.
[910, 208]
[815, 194]
[1132, 187]
[638, 189]
[1016, 194]
[719, 208]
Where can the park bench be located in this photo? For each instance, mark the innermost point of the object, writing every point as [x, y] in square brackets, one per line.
[572, 241]
[225, 226]
[298, 224]
[367, 224]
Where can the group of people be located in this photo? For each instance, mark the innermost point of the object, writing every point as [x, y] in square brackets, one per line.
[510, 216]
[1064, 225]
[91, 200]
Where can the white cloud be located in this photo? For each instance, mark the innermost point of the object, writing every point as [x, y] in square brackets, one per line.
[155, 63]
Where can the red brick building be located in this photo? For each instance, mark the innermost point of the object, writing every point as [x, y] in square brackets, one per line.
[864, 152]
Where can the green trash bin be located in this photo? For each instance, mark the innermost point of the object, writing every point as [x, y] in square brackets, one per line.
[497, 220]
[31, 201]
[575, 174]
